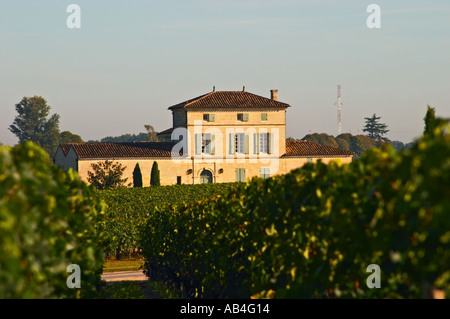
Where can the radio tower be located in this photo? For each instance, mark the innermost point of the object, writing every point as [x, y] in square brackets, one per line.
[339, 102]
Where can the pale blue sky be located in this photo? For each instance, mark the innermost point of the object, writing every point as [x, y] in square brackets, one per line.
[132, 59]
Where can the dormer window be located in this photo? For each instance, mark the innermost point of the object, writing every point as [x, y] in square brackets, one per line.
[209, 117]
[263, 116]
[243, 117]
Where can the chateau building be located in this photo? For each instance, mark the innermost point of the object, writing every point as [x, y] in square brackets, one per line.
[221, 136]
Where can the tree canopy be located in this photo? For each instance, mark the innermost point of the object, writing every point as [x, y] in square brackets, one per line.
[151, 134]
[349, 142]
[107, 175]
[68, 137]
[34, 124]
[375, 129]
[430, 120]
[154, 177]
[137, 176]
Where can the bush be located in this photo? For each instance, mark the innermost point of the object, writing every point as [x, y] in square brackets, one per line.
[154, 177]
[128, 209]
[48, 220]
[313, 232]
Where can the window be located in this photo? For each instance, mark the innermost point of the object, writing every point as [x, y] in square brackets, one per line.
[179, 180]
[240, 174]
[263, 116]
[239, 143]
[204, 144]
[209, 117]
[309, 160]
[265, 172]
[263, 143]
[242, 117]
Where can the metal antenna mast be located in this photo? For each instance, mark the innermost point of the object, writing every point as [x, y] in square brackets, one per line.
[339, 109]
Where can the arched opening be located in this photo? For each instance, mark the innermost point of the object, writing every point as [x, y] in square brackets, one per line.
[205, 177]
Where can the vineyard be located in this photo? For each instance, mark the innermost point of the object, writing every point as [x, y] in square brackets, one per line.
[313, 232]
[128, 210]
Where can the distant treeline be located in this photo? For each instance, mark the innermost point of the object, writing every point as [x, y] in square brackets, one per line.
[347, 141]
[353, 143]
[141, 137]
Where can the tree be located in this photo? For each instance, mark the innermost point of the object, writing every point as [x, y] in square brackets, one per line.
[33, 125]
[375, 129]
[68, 137]
[154, 177]
[107, 175]
[430, 121]
[151, 134]
[137, 176]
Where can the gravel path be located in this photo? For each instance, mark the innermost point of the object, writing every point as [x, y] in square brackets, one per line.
[124, 276]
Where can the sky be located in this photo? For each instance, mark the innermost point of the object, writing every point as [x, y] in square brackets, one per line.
[130, 60]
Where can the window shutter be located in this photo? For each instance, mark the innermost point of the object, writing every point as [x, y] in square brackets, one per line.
[212, 117]
[232, 144]
[263, 116]
[242, 174]
[213, 144]
[245, 117]
[247, 142]
[256, 143]
[270, 143]
[198, 144]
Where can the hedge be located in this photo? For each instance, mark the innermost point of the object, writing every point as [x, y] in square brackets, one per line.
[49, 219]
[312, 233]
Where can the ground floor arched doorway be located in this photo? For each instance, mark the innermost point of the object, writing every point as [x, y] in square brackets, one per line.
[205, 177]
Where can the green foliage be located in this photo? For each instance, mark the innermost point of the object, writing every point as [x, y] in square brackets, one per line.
[154, 177]
[107, 175]
[49, 219]
[31, 124]
[313, 232]
[375, 129]
[152, 135]
[137, 176]
[128, 209]
[123, 290]
[68, 137]
[354, 143]
[123, 138]
[430, 120]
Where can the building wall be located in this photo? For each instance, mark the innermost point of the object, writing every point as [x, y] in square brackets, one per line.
[179, 118]
[226, 122]
[190, 169]
[66, 161]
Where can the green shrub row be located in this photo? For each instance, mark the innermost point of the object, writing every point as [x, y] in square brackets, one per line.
[313, 232]
[49, 219]
[128, 209]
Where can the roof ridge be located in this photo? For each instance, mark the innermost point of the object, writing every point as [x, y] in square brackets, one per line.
[201, 97]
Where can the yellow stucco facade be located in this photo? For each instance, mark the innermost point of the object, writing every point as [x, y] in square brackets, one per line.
[219, 144]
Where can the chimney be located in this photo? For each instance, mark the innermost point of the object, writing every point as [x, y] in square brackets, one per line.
[274, 95]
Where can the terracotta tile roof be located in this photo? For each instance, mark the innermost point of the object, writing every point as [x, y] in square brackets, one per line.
[311, 149]
[121, 150]
[230, 99]
[65, 147]
[168, 131]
